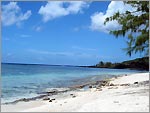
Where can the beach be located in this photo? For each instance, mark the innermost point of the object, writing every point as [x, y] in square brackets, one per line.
[75, 56]
[126, 93]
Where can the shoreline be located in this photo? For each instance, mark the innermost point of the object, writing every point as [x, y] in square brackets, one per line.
[96, 92]
[81, 83]
[57, 91]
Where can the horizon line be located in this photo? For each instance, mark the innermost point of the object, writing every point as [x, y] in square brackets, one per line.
[45, 64]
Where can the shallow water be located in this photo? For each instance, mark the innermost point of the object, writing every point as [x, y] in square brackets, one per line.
[24, 81]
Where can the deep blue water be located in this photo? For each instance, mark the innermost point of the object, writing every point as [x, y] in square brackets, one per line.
[23, 81]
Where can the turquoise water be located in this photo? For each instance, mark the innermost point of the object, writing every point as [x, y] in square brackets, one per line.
[23, 81]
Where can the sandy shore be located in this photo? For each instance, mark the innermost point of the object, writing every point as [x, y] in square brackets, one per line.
[123, 94]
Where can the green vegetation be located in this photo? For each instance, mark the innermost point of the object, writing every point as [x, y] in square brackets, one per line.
[135, 26]
[139, 63]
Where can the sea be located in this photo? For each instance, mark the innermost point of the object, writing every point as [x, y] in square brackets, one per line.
[27, 80]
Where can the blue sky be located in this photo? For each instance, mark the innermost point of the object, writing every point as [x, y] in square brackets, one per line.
[65, 33]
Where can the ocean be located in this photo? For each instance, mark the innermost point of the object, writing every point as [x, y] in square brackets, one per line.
[24, 81]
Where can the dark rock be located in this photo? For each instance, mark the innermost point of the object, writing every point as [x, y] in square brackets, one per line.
[90, 86]
[107, 84]
[97, 82]
[52, 91]
[53, 99]
[103, 84]
[135, 82]
[104, 81]
[50, 101]
[111, 84]
[73, 96]
[79, 86]
[24, 99]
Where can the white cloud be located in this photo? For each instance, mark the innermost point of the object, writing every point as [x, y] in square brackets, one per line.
[55, 9]
[66, 54]
[98, 18]
[38, 28]
[25, 36]
[43, 52]
[76, 29]
[83, 49]
[11, 14]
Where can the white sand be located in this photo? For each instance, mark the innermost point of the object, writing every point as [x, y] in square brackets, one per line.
[139, 77]
[111, 98]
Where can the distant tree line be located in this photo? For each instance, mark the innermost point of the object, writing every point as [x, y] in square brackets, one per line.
[139, 63]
